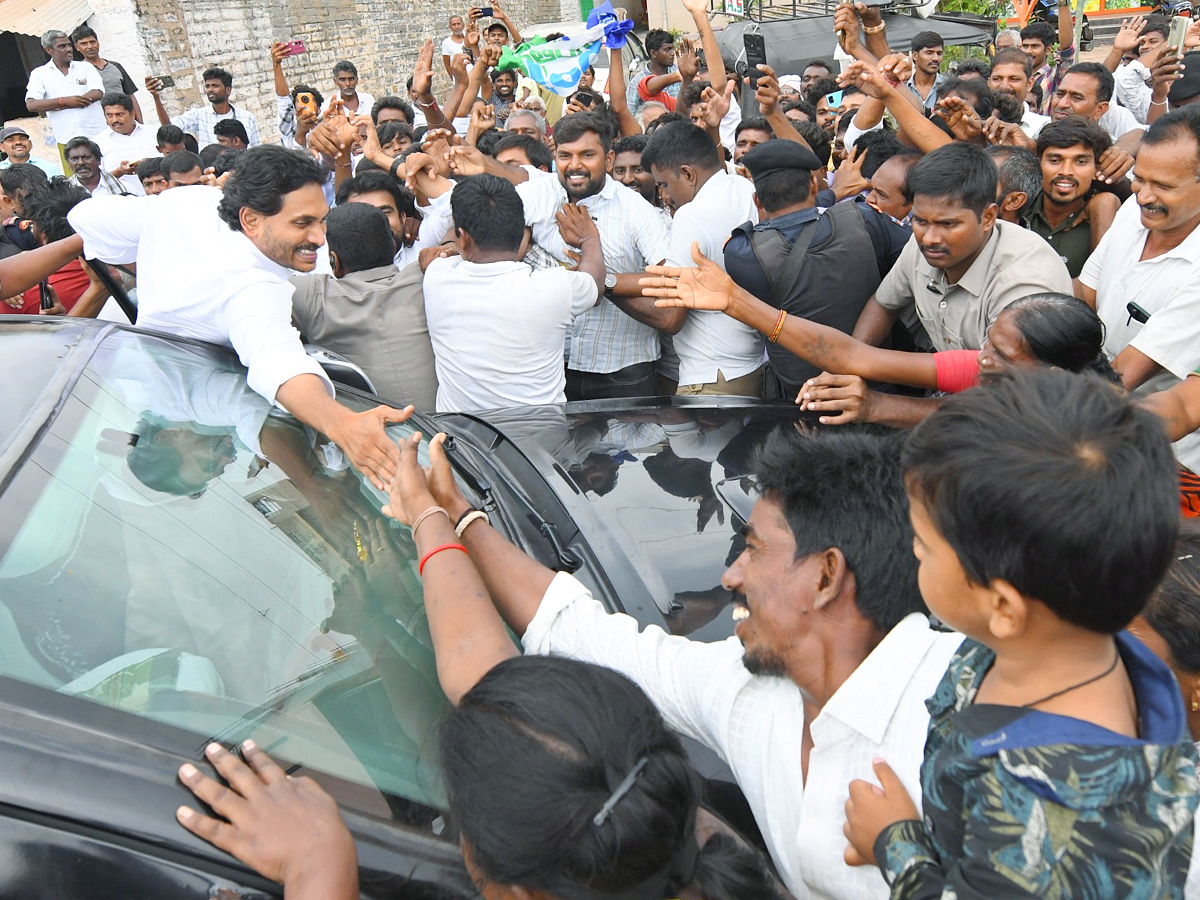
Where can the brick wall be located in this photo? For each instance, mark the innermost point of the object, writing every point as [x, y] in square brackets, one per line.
[183, 37]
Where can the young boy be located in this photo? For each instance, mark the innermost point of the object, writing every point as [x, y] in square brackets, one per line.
[1057, 763]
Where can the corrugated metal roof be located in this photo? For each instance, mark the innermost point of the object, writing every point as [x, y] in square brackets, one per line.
[36, 17]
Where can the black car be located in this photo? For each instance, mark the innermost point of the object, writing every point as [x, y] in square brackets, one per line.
[180, 562]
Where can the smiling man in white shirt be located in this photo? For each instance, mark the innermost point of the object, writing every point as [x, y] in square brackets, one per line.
[125, 142]
[716, 354]
[833, 659]
[214, 266]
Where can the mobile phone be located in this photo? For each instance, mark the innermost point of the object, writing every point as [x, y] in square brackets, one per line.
[486, 12]
[1137, 313]
[834, 100]
[295, 47]
[306, 102]
[1178, 35]
[44, 288]
[756, 55]
[167, 80]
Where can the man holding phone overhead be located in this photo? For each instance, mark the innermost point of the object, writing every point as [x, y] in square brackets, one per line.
[199, 120]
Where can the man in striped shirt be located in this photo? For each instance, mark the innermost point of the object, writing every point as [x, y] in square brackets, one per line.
[199, 120]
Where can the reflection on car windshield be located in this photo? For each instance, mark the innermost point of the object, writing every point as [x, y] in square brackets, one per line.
[176, 548]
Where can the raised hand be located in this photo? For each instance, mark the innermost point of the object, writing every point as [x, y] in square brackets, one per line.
[704, 287]
[154, 85]
[896, 67]
[766, 91]
[845, 25]
[1130, 35]
[867, 78]
[279, 52]
[483, 117]
[687, 60]
[575, 225]
[848, 180]
[490, 55]
[960, 117]
[423, 70]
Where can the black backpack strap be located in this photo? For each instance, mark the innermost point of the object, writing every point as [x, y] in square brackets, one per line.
[792, 265]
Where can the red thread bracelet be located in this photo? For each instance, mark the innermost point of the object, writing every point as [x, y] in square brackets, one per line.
[434, 552]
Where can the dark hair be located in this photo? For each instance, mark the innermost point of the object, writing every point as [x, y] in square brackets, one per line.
[975, 92]
[190, 143]
[344, 65]
[815, 91]
[150, 167]
[844, 489]
[1179, 124]
[1105, 83]
[361, 236]
[22, 177]
[496, 73]
[1009, 109]
[973, 65]
[229, 161]
[1174, 607]
[536, 152]
[373, 180]
[689, 96]
[818, 140]
[816, 62]
[633, 143]
[488, 139]
[209, 154]
[180, 161]
[116, 98]
[267, 174]
[664, 120]
[169, 134]
[308, 89]
[1055, 483]
[656, 39]
[232, 128]
[218, 73]
[804, 106]
[958, 171]
[782, 188]
[489, 209]
[76, 142]
[877, 148]
[924, 39]
[1040, 31]
[48, 207]
[1157, 24]
[532, 754]
[1013, 56]
[389, 131]
[1072, 131]
[391, 102]
[678, 145]
[1063, 331]
[1017, 169]
[753, 123]
[571, 128]
[83, 31]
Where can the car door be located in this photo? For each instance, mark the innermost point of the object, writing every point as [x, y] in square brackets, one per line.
[179, 563]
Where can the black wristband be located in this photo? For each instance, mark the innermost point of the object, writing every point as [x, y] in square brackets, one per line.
[395, 165]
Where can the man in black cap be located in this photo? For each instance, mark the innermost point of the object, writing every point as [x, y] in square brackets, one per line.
[821, 260]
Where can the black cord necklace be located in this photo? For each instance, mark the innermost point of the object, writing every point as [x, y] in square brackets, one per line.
[1075, 687]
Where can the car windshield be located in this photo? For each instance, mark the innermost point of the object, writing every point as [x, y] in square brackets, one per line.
[176, 548]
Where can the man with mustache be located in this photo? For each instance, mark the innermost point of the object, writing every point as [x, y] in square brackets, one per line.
[962, 266]
[199, 120]
[214, 266]
[1012, 75]
[1151, 257]
[1068, 213]
[83, 157]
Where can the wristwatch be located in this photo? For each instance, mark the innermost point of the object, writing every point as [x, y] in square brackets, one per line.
[610, 284]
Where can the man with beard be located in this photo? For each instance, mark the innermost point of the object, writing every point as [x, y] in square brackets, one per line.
[628, 169]
[1012, 75]
[354, 101]
[1067, 213]
[1151, 257]
[504, 89]
[83, 157]
[199, 120]
[214, 265]
[962, 266]
[831, 664]
[615, 344]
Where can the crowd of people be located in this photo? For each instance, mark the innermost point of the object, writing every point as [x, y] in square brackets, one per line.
[968, 647]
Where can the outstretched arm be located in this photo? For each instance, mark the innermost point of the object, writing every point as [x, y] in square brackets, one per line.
[617, 102]
[1178, 406]
[21, 272]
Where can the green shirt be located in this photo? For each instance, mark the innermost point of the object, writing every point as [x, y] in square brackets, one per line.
[1072, 239]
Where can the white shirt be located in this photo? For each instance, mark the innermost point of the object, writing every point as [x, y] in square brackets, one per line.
[756, 724]
[632, 236]
[1118, 121]
[498, 331]
[365, 102]
[48, 83]
[452, 48]
[711, 341]
[1032, 123]
[1132, 88]
[141, 143]
[1167, 287]
[199, 120]
[51, 169]
[199, 278]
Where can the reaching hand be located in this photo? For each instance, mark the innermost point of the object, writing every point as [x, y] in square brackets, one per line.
[423, 70]
[896, 67]
[575, 225]
[363, 438]
[279, 52]
[696, 7]
[687, 60]
[471, 35]
[1008, 133]
[845, 25]
[704, 287]
[717, 105]
[408, 494]
[55, 308]
[871, 809]
[1114, 163]
[287, 829]
[848, 180]
[960, 117]
[483, 117]
[489, 55]
[1130, 35]
[458, 69]
[846, 395]
[867, 78]
[466, 160]
[766, 91]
